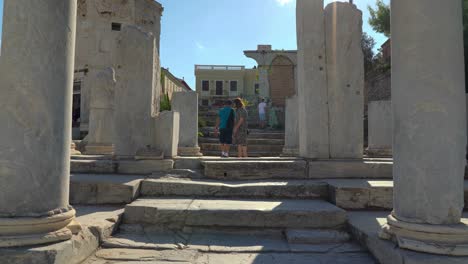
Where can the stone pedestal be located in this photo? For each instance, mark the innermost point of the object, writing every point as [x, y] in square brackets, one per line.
[101, 116]
[136, 103]
[429, 139]
[291, 145]
[167, 133]
[186, 103]
[345, 75]
[312, 80]
[36, 76]
[73, 150]
[380, 128]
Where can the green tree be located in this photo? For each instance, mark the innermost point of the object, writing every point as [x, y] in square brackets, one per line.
[380, 18]
[368, 44]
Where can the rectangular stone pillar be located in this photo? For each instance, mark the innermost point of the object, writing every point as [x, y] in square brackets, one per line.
[186, 103]
[345, 75]
[429, 127]
[380, 129]
[135, 107]
[291, 136]
[167, 133]
[312, 80]
[36, 79]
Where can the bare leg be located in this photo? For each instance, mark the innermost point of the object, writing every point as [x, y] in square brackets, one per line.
[244, 151]
[239, 151]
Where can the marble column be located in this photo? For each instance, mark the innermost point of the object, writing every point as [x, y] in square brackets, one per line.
[312, 80]
[36, 78]
[380, 128]
[345, 80]
[263, 81]
[291, 135]
[101, 115]
[186, 103]
[429, 127]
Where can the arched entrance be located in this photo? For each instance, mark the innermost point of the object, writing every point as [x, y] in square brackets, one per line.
[282, 80]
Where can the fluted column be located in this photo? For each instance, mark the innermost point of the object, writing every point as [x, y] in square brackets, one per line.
[36, 77]
[429, 127]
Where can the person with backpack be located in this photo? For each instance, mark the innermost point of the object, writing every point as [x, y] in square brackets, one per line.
[224, 127]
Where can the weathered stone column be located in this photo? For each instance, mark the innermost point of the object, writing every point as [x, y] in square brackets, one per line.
[186, 103]
[312, 80]
[135, 95]
[291, 135]
[167, 133]
[429, 128]
[36, 77]
[380, 128]
[345, 77]
[101, 114]
[263, 82]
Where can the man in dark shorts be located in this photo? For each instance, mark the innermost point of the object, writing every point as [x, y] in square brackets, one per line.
[225, 126]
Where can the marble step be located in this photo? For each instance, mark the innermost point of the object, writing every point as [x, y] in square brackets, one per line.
[99, 189]
[292, 189]
[252, 148]
[359, 194]
[264, 135]
[255, 169]
[233, 153]
[87, 164]
[251, 141]
[181, 212]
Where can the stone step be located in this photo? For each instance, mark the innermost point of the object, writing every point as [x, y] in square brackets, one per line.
[179, 212]
[99, 189]
[86, 165]
[292, 189]
[252, 148]
[358, 194]
[233, 153]
[255, 169]
[351, 169]
[251, 141]
[265, 135]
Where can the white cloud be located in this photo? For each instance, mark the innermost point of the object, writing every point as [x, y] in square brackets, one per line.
[283, 2]
[199, 45]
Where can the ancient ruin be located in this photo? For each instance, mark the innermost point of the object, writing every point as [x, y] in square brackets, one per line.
[141, 192]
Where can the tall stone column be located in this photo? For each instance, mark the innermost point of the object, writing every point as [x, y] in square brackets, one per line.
[186, 103]
[345, 77]
[291, 135]
[429, 127]
[312, 80]
[101, 114]
[263, 82]
[36, 77]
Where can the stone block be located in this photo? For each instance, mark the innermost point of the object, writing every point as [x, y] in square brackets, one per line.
[167, 131]
[259, 169]
[360, 169]
[295, 236]
[345, 76]
[291, 145]
[92, 166]
[186, 103]
[143, 167]
[380, 128]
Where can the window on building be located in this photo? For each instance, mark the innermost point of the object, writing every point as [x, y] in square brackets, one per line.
[205, 102]
[219, 87]
[233, 86]
[116, 26]
[205, 86]
[257, 88]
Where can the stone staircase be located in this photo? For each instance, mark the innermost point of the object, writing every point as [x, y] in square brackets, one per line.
[231, 211]
[261, 143]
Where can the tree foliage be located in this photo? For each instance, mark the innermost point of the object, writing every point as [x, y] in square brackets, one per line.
[368, 44]
[380, 18]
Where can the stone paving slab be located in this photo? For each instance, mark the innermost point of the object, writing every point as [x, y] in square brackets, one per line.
[97, 223]
[366, 226]
[88, 189]
[238, 213]
[255, 169]
[305, 189]
[366, 194]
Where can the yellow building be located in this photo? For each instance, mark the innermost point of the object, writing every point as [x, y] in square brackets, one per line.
[217, 83]
[171, 84]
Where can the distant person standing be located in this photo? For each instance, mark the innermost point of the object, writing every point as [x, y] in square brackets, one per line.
[224, 127]
[240, 128]
[262, 113]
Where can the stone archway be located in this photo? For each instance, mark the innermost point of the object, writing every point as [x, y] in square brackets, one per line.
[282, 80]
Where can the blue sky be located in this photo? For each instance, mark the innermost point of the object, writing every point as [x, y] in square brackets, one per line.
[218, 31]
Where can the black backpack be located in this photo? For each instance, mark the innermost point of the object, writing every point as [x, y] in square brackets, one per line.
[231, 120]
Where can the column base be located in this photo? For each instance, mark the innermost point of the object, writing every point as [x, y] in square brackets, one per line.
[290, 152]
[376, 152]
[451, 240]
[99, 149]
[189, 152]
[28, 231]
[73, 150]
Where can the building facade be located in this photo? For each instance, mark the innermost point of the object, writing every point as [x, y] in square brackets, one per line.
[99, 23]
[171, 84]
